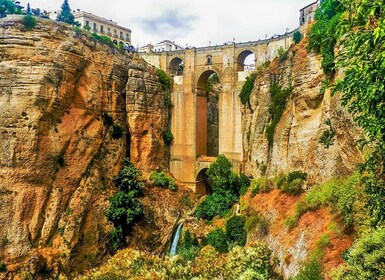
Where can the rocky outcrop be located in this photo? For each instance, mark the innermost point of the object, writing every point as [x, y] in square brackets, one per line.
[308, 114]
[61, 94]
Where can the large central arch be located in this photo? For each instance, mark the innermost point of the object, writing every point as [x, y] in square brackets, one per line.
[207, 114]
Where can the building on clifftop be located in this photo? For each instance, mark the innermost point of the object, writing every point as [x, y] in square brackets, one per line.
[307, 13]
[105, 27]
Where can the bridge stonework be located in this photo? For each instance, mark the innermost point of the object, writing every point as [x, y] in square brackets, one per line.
[190, 105]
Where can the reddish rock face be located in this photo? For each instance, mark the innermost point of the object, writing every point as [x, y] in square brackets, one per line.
[57, 153]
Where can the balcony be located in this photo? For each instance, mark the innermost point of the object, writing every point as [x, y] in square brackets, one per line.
[121, 37]
[109, 33]
[116, 35]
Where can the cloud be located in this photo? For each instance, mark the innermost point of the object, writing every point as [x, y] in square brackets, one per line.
[168, 25]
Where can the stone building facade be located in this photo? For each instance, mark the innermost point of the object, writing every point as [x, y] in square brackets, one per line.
[307, 13]
[118, 34]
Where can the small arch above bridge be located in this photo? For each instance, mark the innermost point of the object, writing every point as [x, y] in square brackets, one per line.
[176, 67]
[245, 57]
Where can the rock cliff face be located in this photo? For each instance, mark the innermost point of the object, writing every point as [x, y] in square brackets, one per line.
[59, 90]
[308, 114]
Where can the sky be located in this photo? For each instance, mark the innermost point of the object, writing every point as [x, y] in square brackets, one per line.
[195, 23]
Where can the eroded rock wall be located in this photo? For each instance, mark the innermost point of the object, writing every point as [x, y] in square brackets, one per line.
[57, 154]
[297, 136]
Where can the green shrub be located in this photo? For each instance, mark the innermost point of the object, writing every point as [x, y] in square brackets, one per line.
[128, 178]
[125, 208]
[282, 54]
[247, 89]
[366, 259]
[162, 180]
[168, 137]
[244, 184]
[297, 37]
[260, 185]
[216, 204]
[235, 231]
[226, 186]
[323, 35]
[3, 267]
[117, 131]
[29, 22]
[276, 108]
[189, 247]
[339, 194]
[292, 176]
[103, 39]
[217, 239]
[259, 221]
[291, 222]
[312, 270]
[165, 80]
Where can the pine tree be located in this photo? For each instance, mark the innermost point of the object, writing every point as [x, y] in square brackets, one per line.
[65, 14]
[28, 9]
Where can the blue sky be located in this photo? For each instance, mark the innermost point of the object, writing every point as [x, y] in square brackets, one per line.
[192, 22]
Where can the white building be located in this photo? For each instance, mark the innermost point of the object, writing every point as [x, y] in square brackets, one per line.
[307, 13]
[166, 46]
[106, 27]
[147, 48]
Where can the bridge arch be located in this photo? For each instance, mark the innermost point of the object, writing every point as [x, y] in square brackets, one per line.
[176, 66]
[244, 58]
[207, 114]
[202, 182]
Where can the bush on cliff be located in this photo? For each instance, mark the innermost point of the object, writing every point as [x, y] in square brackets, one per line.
[247, 89]
[162, 180]
[29, 22]
[125, 208]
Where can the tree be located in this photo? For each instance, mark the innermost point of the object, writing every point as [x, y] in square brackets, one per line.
[297, 37]
[65, 14]
[28, 9]
[7, 7]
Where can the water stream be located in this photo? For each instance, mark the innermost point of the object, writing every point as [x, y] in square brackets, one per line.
[174, 243]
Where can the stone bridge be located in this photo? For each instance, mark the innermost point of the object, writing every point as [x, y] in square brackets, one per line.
[197, 138]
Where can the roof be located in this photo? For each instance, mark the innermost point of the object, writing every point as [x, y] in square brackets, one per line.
[167, 41]
[309, 5]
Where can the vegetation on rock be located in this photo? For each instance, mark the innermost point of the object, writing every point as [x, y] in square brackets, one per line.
[125, 209]
[162, 180]
[297, 37]
[324, 33]
[277, 107]
[254, 262]
[29, 22]
[226, 186]
[65, 14]
[247, 89]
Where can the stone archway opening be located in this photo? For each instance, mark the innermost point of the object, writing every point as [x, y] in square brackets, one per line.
[176, 67]
[207, 114]
[246, 61]
[202, 183]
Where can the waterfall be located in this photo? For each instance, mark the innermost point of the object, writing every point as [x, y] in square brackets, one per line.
[174, 243]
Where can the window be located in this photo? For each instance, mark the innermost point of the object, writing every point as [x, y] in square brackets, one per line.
[95, 27]
[121, 35]
[102, 29]
[87, 23]
[209, 60]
